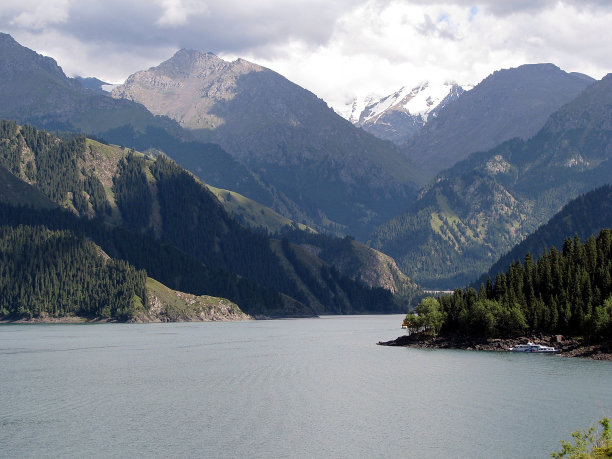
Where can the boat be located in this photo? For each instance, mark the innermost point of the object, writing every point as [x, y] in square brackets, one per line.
[535, 348]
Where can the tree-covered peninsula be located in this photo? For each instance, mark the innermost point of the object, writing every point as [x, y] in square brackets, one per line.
[567, 292]
[46, 273]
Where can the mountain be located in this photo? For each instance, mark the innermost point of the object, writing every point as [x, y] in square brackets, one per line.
[35, 90]
[508, 103]
[481, 207]
[357, 261]
[153, 201]
[327, 173]
[583, 217]
[93, 84]
[75, 279]
[399, 116]
[166, 305]
[350, 257]
[20, 193]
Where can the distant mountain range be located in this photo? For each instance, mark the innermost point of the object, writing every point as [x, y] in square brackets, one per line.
[156, 202]
[399, 116]
[481, 207]
[493, 162]
[326, 172]
[508, 103]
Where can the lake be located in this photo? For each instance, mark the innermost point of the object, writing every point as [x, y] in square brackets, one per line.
[282, 388]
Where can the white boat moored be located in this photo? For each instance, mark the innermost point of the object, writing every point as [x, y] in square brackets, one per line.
[535, 348]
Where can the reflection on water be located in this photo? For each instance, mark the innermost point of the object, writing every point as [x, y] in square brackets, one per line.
[286, 388]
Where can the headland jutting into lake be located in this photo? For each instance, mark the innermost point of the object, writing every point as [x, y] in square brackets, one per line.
[567, 346]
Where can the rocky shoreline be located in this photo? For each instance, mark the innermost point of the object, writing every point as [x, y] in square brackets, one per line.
[568, 346]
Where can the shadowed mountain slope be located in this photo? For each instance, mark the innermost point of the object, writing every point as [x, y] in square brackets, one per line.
[328, 173]
[509, 103]
[158, 200]
[483, 206]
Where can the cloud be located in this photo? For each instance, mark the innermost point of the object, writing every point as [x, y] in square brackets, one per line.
[218, 26]
[338, 50]
[442, 28]
[177, 12]
[34, 14]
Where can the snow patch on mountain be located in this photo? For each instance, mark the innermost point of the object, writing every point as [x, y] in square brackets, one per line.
[418, 101]
[398, 116]
[355, 106]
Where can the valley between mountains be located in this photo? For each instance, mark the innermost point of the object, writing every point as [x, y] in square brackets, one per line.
[202, 189]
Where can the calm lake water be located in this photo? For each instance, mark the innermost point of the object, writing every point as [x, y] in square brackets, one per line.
[285, 388]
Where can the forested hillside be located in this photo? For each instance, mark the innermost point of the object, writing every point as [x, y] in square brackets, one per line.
[483, 206]
[56, 273]
[162, 262]
[158, 201]
[584, 216]
[567, 291]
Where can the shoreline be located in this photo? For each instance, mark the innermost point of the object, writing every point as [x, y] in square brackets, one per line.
[58, 320]
[568, 346]
[72, 320]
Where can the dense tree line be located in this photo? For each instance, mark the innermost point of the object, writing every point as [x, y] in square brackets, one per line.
[57, 273]
[583, 216]
[161, 261]
[52, 165]
[567, 292]
[132, 193]
[161, 200]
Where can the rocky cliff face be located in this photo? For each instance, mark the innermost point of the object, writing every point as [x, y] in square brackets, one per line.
[187, 87]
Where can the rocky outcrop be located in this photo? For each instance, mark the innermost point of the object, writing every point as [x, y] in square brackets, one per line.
[167, 305]
[568, 346]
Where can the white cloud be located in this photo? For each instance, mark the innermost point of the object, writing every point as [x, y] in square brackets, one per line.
[37, 15]
[178, 12]
[379, 47]
[337, 49]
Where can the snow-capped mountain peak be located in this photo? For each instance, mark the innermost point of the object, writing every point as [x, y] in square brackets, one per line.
[355, 106]
[418, 101]
[398, 116]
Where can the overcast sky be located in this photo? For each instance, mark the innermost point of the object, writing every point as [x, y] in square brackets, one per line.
[337, 49]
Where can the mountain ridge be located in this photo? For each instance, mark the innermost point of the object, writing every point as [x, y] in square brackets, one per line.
[157, 198]
[508, 103]
[400, 115]
[481, 207]
[285, 134]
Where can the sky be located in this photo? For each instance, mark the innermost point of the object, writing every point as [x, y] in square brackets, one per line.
[338, 49]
